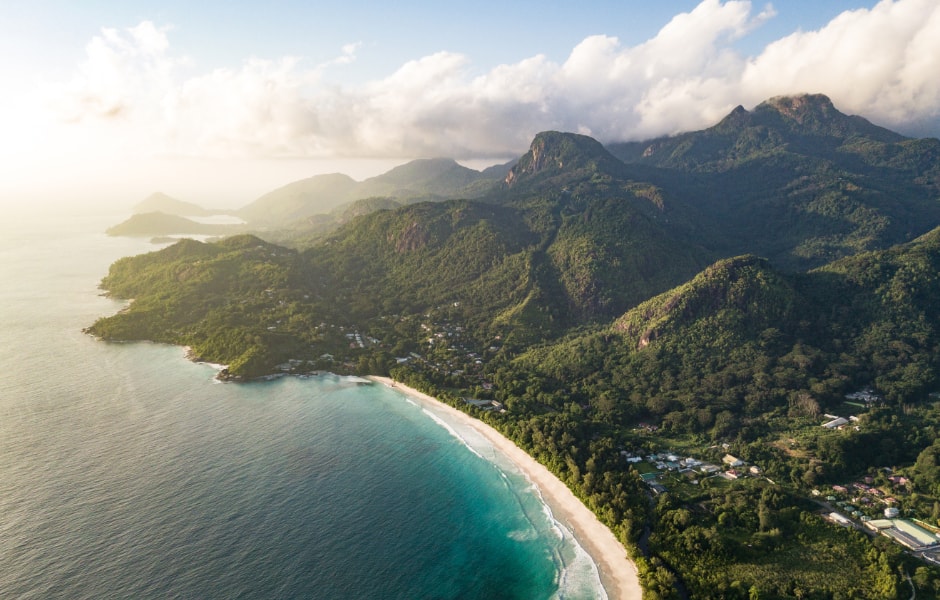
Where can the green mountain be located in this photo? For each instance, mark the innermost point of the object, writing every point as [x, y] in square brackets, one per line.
[796, 181]
[806, 125]
[608, 239]
[300, 199]
[434, 178]
[159, 224]
[160, 202]
[555, 157]
[744, 337]
[425, 179]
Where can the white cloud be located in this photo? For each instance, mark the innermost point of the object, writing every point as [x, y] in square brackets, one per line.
[119, 70]
[881, 63]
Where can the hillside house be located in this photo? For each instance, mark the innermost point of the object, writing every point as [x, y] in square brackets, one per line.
[866, 395]
[836, 423]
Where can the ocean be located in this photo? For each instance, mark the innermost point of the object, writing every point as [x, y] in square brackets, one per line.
[127, 471]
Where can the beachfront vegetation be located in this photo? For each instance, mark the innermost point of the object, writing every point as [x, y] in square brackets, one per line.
[718, 293]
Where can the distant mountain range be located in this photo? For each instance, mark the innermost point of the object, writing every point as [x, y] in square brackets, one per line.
[317, 204]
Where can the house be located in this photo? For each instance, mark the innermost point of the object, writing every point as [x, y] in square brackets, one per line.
[836, 423]
[634, 459]
[485, 404]
[839, 519]
[867, 395]
[910, 535]
[732, 461]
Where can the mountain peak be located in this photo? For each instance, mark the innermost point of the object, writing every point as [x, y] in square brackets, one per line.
[740, 283]
[736, 119]
[803, 107]
[552, 152]
[815, 114]
[421, 169]
[160, 202]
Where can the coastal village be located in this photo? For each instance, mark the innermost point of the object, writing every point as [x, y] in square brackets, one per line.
[860, 504]
[871, 504]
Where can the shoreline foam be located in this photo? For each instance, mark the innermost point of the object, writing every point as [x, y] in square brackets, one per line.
[618, 574]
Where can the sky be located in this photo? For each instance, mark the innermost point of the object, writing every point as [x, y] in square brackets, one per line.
[218, 102]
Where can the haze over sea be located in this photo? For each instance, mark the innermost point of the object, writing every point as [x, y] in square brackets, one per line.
[126, 471]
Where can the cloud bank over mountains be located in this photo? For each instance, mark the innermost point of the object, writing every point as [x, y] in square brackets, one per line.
[881, 63]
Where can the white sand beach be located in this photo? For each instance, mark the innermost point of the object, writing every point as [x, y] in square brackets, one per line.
[618, 573]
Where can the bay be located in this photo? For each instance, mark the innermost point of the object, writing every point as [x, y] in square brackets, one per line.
[127, 471]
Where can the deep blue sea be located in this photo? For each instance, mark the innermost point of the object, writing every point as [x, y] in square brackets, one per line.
[127, 471]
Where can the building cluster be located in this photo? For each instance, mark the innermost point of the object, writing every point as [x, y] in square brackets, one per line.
[449, 354]
[861, 497]
[658, 464]
[916, 538]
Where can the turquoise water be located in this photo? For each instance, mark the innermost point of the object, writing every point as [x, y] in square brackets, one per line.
[128, 472]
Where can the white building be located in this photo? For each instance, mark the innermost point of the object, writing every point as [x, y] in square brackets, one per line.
[836, 423]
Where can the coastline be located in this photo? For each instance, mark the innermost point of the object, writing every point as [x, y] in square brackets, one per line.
[618, 574]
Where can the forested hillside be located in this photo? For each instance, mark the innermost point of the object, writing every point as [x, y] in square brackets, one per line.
[418, 180]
